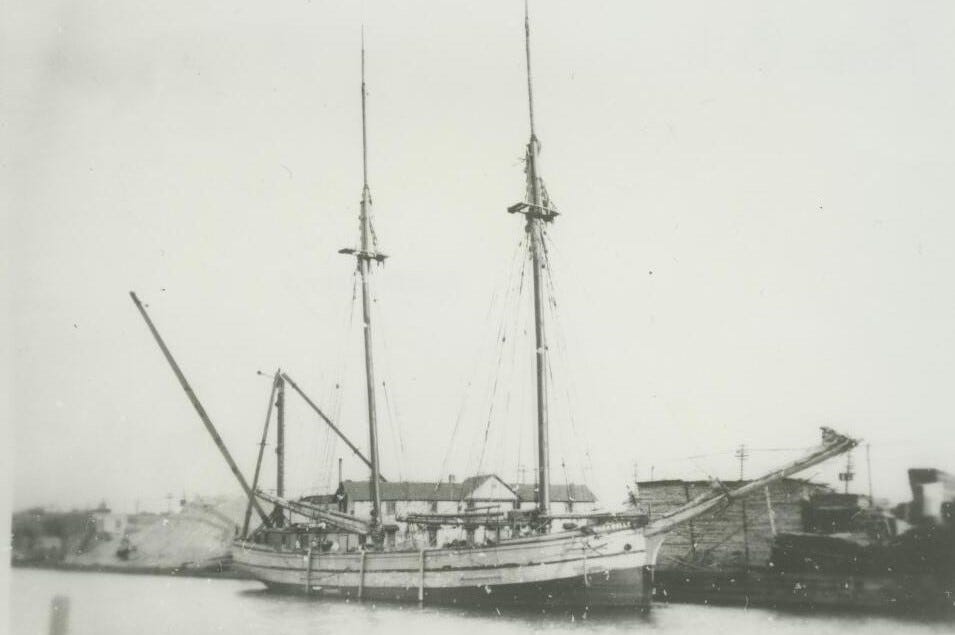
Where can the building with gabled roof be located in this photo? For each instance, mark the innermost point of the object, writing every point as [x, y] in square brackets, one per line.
[484, 491]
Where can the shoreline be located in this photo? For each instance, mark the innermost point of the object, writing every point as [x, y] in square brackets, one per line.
[174, 571]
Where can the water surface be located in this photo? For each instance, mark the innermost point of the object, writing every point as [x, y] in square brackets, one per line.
[113, 604]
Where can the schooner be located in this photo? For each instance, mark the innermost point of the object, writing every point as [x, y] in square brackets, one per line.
[604, 560]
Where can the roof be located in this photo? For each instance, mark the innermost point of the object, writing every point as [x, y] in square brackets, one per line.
[404, 491]
[571, 492]
[322, 499]
[446, 491]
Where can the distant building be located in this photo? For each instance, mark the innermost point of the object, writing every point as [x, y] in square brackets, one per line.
[933, 495]
[733, 535]
[108, 523]
[486, 492]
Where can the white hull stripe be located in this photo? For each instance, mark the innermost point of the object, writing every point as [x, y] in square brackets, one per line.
[443, 570]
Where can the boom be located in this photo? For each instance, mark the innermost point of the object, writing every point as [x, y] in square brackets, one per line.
[200, 410]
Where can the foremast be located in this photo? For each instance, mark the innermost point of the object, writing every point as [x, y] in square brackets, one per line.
[538, 211]
[365, 255]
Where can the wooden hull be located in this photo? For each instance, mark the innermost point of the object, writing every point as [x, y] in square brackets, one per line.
[566, 570]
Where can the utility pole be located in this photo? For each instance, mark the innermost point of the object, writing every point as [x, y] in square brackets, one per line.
[742, 454]
[848, 475]
[868, 470]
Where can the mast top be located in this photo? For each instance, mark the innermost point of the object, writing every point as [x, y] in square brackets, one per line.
[364, 132]
[367, 248]
[527, 50]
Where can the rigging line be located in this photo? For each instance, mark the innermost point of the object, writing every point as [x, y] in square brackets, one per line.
[563, 465]
[515, 315]
[394, 423]
[502, 345]
[380, 343]
[511, 359]
[582, 443]
[519, 319]
[559, 431]
[497, 373]
[691, 457]
[507, 405]
[331, 441]
[495, 296]
[490, 415]
[524, 411]
[569, 386]
[526, 407]
[511, 369]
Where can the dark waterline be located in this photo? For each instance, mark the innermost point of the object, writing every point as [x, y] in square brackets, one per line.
[113, 604]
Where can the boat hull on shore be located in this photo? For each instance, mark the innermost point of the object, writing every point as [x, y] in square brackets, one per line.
[579, 569]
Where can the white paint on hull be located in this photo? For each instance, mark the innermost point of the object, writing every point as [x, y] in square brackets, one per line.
[527, 561]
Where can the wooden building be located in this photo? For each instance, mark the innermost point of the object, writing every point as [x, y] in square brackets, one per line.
[735, 536]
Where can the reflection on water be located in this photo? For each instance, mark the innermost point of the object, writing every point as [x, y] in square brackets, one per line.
[112, 604]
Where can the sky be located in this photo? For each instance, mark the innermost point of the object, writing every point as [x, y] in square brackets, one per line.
[754, 240]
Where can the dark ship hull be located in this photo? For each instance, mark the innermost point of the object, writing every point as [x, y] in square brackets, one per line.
[915, 572]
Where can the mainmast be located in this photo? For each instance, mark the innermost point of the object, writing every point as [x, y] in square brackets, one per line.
[537, 210]
[365, 254]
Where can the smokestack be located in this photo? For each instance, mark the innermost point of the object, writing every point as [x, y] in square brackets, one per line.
[450, 478]
[339, 470]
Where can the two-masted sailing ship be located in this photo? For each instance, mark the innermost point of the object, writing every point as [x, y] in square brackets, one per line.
[544, 560]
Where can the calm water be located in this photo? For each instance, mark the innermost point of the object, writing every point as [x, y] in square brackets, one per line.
[108, 604]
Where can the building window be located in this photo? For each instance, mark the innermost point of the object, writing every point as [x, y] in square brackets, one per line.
[432, 536]
[390, 508]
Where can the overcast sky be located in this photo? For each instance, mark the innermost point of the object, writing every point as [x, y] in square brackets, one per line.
[755, 236]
